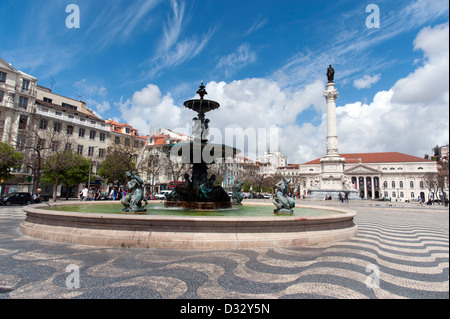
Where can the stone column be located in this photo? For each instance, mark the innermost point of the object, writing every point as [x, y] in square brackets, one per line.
[331, 95]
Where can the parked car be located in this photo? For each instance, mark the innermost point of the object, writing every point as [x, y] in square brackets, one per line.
[162, 194]
[16, 199]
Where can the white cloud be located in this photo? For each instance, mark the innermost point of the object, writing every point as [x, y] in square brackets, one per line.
[430, 81]
[234, 61]
[410, 117]
[366, 81]
[99, 108]
[90, 90]
[172, 51]
[149, 109]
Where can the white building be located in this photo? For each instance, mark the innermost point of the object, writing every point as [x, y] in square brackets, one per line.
[372, 175]
[17, 99]
[271, 161]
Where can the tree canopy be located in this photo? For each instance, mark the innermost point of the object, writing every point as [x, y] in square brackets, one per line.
[9, 159]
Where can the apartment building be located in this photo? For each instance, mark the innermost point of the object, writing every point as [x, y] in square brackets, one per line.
[17, 100]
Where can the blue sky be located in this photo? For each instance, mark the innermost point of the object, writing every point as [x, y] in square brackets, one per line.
[137, 61]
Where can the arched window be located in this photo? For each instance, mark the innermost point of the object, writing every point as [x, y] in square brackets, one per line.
[385, 184]
[421, 184]
[401, 184]
[402, 195]
[394, 195]
[412, 195]
[411, 184]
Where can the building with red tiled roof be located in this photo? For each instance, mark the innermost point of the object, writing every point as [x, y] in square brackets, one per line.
[391, 175]
[386, 157]
[125, 134]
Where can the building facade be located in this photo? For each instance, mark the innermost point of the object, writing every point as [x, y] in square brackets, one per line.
[389, 175]
[17, 100]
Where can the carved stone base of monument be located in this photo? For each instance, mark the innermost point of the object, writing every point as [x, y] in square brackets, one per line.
[322, 193]
[199, 205]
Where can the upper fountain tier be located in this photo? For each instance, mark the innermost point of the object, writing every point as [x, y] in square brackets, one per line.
[201, 106]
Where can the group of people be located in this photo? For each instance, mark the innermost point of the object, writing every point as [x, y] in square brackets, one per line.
[100, 194]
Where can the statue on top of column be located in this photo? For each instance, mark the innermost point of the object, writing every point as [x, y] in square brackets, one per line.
[330, 74]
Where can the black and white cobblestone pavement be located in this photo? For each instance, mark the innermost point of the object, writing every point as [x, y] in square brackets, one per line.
[401, 251]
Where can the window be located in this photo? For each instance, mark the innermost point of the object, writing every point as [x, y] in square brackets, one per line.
[43, 124]
[2, 77]
[102, 137]
[55, 146]
[46, 99]
[58, 113]
[68, 147]
[421, 184]
[25, 84]
[21, 142]
[412, 195]
[57, 127]
[23, 121]
[402, 195]
[127, 142]
[81, 132]
[91, 151]
[23, 102]
[127, 130]
[385, 184]
[394, 195]
[101, 152]
[393, 185]
[117, 140]
[73, 107]
[2, 94]
[92, 135]
[69, 130]
[80, 149]
[401, 184]
[411, 184]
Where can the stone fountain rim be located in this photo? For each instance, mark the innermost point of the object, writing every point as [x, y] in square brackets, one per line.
[339, 213]
[186, 232]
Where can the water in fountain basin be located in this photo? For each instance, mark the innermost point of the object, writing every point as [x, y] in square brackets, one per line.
[158, 209]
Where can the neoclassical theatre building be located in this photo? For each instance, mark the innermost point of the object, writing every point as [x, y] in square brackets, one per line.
[366, 175]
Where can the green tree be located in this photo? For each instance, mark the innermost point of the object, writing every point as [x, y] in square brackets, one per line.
[117, 162]
[9, 159]
[55, 167]
[77, 173]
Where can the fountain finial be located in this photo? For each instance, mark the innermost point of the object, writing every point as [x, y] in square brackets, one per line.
[202, 92]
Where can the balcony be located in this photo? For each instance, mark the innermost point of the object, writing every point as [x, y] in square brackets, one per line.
[31, 91]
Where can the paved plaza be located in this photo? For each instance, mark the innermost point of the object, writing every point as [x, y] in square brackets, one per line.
[401, 251]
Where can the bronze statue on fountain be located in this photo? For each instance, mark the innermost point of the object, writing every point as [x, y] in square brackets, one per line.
[199, 191]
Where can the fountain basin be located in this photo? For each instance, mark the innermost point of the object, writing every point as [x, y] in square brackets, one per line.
[187, 232]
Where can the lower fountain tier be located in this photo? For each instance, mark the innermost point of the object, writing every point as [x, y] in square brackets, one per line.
[198, 205]
[200, 152]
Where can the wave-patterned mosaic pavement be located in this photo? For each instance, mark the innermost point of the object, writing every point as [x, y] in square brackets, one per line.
[398, 253]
